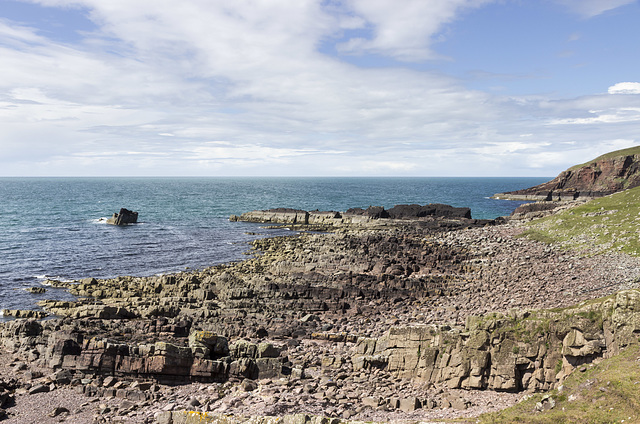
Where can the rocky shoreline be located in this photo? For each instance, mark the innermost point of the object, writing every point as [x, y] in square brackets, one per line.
[405, 318]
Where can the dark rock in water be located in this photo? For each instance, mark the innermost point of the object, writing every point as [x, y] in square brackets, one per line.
[36, 290]
[123, 218]
[277, 215]
[374, 212]
[431, 212]
[432, 209]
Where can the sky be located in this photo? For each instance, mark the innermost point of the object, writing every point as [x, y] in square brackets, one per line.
[492, 88]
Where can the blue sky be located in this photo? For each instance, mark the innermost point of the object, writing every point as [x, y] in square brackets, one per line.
[315, 87]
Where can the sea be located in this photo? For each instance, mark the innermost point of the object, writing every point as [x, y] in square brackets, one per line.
[54, 228]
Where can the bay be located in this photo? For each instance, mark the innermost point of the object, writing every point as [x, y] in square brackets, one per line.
[51, 228]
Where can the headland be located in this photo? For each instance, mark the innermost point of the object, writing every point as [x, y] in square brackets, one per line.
[602, 176]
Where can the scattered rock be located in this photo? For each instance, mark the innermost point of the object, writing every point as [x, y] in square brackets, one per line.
[58, 411]
[249, 385]
[40, 388]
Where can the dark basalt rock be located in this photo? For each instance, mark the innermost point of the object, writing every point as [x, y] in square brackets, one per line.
[123, 218]
[352, 215]
[374, 212]
[433, 209]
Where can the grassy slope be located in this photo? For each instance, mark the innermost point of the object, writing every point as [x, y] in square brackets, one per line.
[623, 152]
[607, 224]
[608, 392]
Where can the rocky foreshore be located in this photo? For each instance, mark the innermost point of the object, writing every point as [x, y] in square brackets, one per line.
[389, 318]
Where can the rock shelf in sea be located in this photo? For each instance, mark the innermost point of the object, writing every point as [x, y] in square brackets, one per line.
[397, 316]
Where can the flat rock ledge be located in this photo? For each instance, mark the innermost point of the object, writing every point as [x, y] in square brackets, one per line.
[558, 195]
[435, 215]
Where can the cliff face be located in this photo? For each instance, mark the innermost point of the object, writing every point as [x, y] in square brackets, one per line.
[604, 175]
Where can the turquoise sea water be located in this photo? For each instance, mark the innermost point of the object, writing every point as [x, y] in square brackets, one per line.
[51, 228]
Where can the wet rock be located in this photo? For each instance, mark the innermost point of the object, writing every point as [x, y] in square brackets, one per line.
[124, 217]
[36, 290]
[433, 209]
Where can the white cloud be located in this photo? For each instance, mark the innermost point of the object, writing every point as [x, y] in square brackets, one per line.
[404, 30]
[382, 167]
[579, 153]
[625, 88]
[242, 87]
[508, 148]
[609, 117]
[591, 8]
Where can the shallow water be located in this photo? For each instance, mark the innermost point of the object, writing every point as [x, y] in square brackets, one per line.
[51, 228]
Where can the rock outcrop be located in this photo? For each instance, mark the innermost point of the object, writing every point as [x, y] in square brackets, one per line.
[430, 212]
[124, 217]
[607, 174]
[532, 351]
[206, 357]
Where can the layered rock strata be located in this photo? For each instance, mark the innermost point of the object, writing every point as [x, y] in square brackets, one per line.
[602, 176]
[532, 351]
[430, 212]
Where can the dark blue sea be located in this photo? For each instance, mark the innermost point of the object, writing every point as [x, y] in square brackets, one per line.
[50, 228]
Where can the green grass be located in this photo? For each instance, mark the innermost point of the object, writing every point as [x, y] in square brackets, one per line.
[608, 224]
[608, 392]
[623, 152]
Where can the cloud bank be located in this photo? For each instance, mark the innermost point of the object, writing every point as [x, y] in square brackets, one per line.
[272, 88]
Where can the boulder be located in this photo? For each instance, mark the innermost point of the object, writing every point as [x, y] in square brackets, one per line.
[373, 212]
[277, 215]
[213, 346]
[125, 217]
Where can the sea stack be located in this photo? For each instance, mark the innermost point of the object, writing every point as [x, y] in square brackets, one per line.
[123, 218]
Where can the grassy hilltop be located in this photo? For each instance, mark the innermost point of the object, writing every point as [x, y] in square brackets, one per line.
[631, 151]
